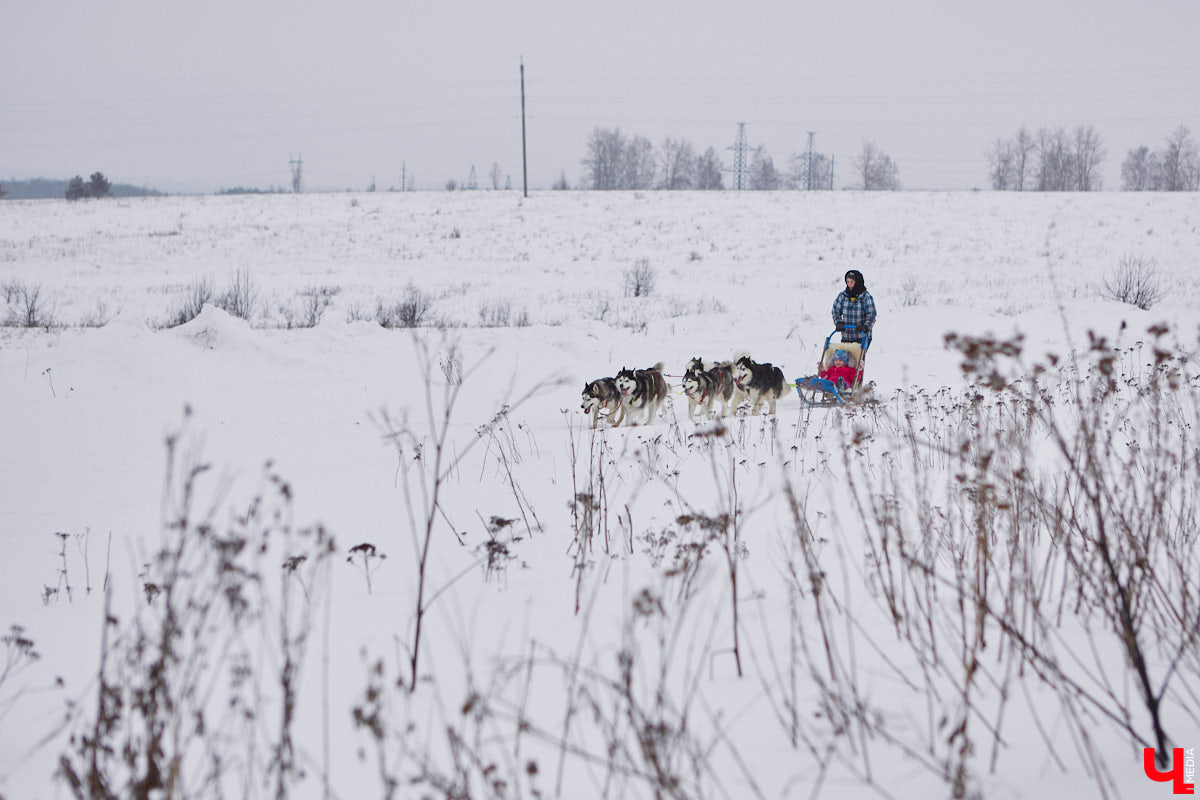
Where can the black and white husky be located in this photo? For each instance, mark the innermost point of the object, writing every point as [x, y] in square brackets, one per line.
[643, 392]
[706, 386]
[761, 382]
[600, 395]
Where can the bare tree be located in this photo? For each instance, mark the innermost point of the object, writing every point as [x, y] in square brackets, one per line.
[708, 171]
[496, 174]
[763, 175]
[602, 164]
[1088, 155]
[875, 168]
[802, 175]
[1180, 162]
[1140, 170]
[1054, 160]
[1024, 147]
[639, 165]
[1002, 171]
[678, 164]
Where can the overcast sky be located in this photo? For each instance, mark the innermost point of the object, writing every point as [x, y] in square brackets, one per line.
[198, 96]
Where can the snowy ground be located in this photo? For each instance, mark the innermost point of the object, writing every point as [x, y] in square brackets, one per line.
[573, 650]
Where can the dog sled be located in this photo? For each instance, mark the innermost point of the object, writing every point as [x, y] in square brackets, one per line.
[833, 386]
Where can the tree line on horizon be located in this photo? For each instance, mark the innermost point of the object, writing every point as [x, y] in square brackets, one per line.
[96, 186]
[1050, 159]
[615, 161]
[47, 188]
[1055, 160]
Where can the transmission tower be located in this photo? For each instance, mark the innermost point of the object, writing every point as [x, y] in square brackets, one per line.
[472, 181]
[297, 165]
[740, 169]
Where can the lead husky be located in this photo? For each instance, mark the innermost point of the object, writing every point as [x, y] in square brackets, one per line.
[705, 386]
[643, 391]
[759, 381]
[602, 394]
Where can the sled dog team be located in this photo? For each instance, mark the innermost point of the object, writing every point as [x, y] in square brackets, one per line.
[637, 394]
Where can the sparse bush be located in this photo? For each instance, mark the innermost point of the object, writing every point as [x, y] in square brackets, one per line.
[195, 297]
[639, 279]
[96, 318]
[241, 297]
[500, 315]
[357, 312]
[313, 303]
[409, 312]
[1135, 280]
[29, 307]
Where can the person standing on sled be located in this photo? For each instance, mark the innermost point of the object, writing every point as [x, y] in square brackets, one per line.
[854, 309]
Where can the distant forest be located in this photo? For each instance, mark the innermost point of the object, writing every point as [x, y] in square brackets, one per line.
[44, 188]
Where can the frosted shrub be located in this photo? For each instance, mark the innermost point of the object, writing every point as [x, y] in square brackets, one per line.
[501, 315]
[28, 307]
[1135, 280]
[408, 312]
[639, 279]
[310, 307]
[195, 297]
[241, 297]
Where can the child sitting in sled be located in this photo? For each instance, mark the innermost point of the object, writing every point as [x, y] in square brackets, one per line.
[840, 372]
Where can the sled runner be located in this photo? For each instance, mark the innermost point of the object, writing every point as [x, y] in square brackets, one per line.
[834, 385]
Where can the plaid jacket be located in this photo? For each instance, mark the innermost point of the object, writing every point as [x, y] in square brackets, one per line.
[858, 312]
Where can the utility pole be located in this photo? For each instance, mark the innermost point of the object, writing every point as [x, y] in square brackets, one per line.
[524, 162]
[808, 164]
[403, 176]
[297, 165]
[740, 149]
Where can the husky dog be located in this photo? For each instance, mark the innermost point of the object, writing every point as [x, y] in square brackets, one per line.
[705, 386]
[759, 381]
[602, 394]
[642, 391]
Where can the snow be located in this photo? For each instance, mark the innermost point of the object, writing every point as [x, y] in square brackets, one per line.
[88, 485]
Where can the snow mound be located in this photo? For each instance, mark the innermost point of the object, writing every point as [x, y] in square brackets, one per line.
[123, 327]
[214, 328]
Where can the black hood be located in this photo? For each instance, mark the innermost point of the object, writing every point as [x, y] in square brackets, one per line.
[860, 285]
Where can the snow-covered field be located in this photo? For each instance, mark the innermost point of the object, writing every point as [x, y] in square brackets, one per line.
[675, 610]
